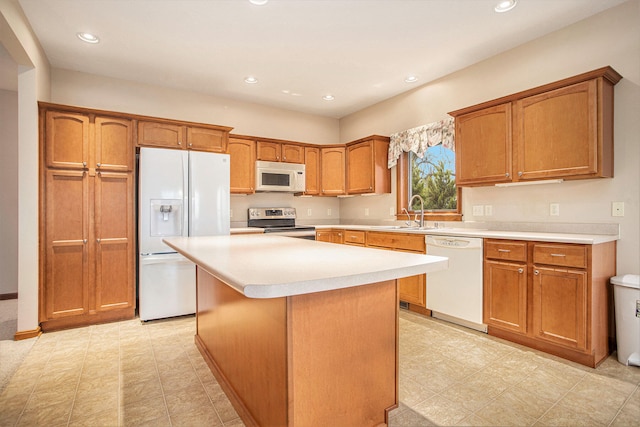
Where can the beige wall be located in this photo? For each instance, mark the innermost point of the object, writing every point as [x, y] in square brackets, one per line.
[610, 38]
[33, 85]
[9, 191]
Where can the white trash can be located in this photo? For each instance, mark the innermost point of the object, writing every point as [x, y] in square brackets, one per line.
[626, 294]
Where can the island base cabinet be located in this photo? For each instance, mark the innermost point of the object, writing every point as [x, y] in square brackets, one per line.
[326, 358]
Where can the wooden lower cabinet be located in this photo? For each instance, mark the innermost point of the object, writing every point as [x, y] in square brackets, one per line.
[411, 289]
[505, 295]
[551, 297]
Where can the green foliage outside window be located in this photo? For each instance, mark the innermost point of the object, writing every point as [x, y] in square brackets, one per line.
[433, 178]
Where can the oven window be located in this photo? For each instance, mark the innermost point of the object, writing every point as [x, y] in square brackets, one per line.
[278, 179]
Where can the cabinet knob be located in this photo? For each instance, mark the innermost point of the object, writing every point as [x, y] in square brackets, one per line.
[536, 272]
[179, 143]
[98, 240]
[507, 174]
[84, 164]
[98, 165]
[84, 241]
[521, 270]
[520, 173]
[190, 144]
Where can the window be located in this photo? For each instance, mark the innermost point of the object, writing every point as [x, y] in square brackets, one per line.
[433, 178]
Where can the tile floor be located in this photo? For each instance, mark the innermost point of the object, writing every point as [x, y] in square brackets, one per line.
[128, 373]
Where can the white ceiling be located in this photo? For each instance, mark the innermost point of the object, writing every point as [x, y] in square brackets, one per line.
[357, 50]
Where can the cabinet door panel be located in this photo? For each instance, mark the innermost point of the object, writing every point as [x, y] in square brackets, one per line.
[242, 154]
[204, 139]
[360, 168]
[292, 153]
[560, 306]
[332, 165]
[153, 134]
[312, 170]
[66, 140]
[114, 240]
[556, 133]
[268, 151]
[114, 144]
[505, 295]
[66, 233]
[412, 289]
[483, 146]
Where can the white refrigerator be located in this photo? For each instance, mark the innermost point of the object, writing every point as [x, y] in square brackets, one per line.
[181, 193]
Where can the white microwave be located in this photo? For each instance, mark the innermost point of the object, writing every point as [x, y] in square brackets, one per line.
[279, 176]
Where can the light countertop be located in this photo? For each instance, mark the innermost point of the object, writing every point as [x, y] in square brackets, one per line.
[262, 266]
[558, 237]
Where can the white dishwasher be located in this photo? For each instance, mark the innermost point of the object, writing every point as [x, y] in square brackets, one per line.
[455, 294]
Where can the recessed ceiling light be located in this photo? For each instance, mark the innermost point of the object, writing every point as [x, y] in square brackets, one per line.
[250, 80]
[505, 6]
[258, 2]
[328, 97]
[88, 37]
[411, 79]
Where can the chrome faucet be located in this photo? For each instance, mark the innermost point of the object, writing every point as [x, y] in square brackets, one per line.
[408, 222]
[421, 223]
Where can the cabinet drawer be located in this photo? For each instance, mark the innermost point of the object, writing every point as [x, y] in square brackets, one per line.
[398, 241]
[561, 255]
[354, 237]
[506, 250]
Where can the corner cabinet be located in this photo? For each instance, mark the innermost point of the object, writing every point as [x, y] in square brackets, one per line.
[367, 171]
[87, 218]
[560, 130]
[242, 153]
[332, 171]
[553, 297]
[183, 136]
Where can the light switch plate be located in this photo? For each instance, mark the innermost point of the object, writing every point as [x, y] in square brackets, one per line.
[366, 211]
[554, 209]
[617, 208]
[309, 212]
[328, 211]
[488, 210]
[478, 210]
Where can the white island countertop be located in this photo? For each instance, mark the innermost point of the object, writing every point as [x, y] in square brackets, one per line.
[260, 266]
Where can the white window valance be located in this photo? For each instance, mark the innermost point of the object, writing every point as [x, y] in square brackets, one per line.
[418, 139]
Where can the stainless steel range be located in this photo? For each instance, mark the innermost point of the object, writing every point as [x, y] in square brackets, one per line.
[279, 221]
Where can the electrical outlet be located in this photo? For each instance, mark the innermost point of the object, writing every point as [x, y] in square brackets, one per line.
[617, 208]
[488, 210]
[328, 211]
[366, 211]
[309, 212]
[230, 213]
[478, 210]
[554, 209]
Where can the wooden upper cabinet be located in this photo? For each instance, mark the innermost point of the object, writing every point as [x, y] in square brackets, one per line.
[276, 151]
[332, 175]
[560, 130]
[207, 139]
[312, 170]
[66, 140]
[180, 135]
[292, 153]
[113, 144]
[242, 153]
[367, 170]
[268, 151]
[157, 134]
[556, 133]
[483, 146]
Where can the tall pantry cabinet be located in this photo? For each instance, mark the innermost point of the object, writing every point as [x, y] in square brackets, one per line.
[87, 270]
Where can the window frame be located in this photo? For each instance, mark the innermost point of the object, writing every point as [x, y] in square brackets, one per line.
[402, 196]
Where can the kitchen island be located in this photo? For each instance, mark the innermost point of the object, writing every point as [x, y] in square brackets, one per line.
[298, 332]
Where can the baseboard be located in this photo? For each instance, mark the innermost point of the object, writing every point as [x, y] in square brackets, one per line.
[25, 335]
[9, 296]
